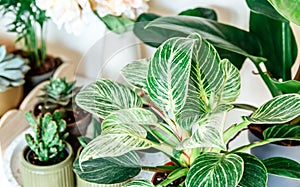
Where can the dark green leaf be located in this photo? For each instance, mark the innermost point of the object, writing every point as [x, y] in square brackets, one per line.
[291, 86]
[116, 24]
[109, 170]
[201, 12]
[286, 131]
[283, 167]
[255, 173]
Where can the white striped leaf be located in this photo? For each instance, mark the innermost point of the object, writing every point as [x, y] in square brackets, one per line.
[255, 173]
[280, 109]
[123, 120]
[168, 74]
[122, 132]
[139, 183]
[136, 73]
[232, 82]
[217, 170]
[104, 97]
[288, 132]
[109, 170]
[209, 134]
[202, 85]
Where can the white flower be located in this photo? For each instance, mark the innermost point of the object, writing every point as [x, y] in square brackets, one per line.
[67, 13]
[126, 8]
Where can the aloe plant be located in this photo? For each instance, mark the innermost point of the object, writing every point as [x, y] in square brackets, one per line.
[12, 70]
[179, 107]
[48, 140]
[57, 95]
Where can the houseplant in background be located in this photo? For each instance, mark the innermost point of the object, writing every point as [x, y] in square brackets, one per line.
[118, 16]
[29, 23]
[58, 95]
[12, 72]
[47, 160]
[178, 107]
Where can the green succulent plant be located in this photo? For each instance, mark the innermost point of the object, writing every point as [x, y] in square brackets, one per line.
[12, 70]
[58, 94]
[49, 135]
[177, 103]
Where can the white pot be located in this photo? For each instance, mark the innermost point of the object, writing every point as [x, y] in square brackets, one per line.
[274, 150]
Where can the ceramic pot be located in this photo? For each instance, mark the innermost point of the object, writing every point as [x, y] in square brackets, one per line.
[82, 183]
[58, 175]
[274, 150]
[10, 99]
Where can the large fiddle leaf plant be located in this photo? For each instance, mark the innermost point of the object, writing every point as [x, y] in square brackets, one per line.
[176, 102]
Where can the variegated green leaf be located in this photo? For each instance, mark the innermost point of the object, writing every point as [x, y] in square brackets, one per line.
[136, 73]
[255, 173]
[109, 170]
[283, 167]
[217, 170]
[104, 97]
[232, 82]
[288, 132]
[280, 109]
[168, 74]
[202, 85]
[122, 132]
[123, 120]
[209, 134]
[139, 183]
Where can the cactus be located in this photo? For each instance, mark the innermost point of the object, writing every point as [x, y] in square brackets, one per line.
[12, 70]
[58, 94]
[49, 135]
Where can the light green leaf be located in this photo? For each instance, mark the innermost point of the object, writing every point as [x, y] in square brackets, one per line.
[289, 9]
[122, 132]
[290, 86]
[232, 82]
[255, 173]
[213, 169]
[109, 170]
[202, 86]
[286, 131]
[168, 74]
[283, 167]
[136, 72]
[139, 183]
[125, 119]
[116, 24]
[104, 97]
[209, 134]
[280, 109]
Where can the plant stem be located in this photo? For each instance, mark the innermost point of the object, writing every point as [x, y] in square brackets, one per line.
[272, 88]
[257, 143]
[245, 107]
[43, 44]
[287, 61]
[234, 129]
[177, 174]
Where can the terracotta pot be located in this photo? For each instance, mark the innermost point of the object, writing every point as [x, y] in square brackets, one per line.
[10, 99]
[77, 129]
[274, 150]
[58, 175]
[82, 183]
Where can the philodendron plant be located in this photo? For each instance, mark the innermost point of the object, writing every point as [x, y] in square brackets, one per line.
[177, 103]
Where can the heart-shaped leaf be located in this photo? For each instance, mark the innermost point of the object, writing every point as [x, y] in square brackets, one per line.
[283, 167]
[104, 97]
[255, 173]
[109, 170]
[280, 109]
[213, 169]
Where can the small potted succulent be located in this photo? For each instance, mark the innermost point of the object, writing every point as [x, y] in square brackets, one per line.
[29, 23]
[12, 72]
[58, 94]
[177, 104]
[47, 160]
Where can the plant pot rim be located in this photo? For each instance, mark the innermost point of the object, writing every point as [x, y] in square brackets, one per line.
[50, 167]
[13, 87]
